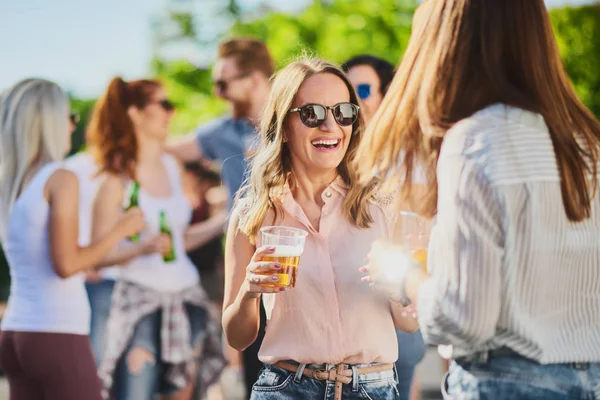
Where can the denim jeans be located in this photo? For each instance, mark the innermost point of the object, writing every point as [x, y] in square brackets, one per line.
[99, 295]
[275, 383]
[517, 378]
[411, 350]
[147, 382]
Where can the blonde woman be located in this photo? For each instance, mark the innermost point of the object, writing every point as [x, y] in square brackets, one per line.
[482, 100]
[332, 335]
[44, 348]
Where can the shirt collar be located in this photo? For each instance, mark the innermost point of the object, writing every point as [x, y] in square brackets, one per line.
[338, 185]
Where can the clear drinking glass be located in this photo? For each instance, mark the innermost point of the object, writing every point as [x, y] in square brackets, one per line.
[415, 232]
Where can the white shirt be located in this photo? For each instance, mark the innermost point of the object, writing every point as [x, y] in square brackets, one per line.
[507, 266]
[150, 270]
[40, 300]
[83, 165]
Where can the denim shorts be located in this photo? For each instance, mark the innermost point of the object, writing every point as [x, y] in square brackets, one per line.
[275, 383]
[515, 377]
[411, 350]
[150, 380]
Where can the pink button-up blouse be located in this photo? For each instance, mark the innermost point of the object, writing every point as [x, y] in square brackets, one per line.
[331, 316]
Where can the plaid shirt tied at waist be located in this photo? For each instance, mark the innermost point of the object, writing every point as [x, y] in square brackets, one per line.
[131, 303]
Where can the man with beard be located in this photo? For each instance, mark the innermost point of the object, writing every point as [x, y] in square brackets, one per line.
[241, 77]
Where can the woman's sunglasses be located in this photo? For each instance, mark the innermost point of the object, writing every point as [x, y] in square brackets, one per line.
[222, 84]
[166, 104]
[314, 115]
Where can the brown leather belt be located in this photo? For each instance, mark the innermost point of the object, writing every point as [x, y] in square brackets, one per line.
[339, 374]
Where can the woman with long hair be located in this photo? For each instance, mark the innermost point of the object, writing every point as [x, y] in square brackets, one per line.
[44, 346]
[159, 313]
[371, 77]
[482, 100]
[331, 334]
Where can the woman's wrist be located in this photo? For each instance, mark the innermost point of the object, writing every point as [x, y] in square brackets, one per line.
[246, 295]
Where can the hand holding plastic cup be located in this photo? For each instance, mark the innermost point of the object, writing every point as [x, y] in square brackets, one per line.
[289, 245]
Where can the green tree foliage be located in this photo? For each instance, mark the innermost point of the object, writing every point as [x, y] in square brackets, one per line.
[578, 33]
[336, 30]
[84, 108]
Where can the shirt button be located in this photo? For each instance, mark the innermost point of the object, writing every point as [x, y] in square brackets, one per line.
[328, 194]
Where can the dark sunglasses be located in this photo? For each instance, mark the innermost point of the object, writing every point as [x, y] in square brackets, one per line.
[363, 90]
[166, 104]
[222, 84]
[314, 115]
[74, 117]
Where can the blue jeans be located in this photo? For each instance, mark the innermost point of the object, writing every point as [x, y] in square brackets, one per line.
[100, 296]
[275, 383]
[411, 350]
[517, 378]
[148, 380]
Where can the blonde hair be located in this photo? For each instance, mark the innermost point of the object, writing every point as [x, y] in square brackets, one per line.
[271, 163]
[33, 128]
[463, 56]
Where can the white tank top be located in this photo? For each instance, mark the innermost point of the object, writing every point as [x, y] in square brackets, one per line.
[85, 168]
[150, 270]
[40, 300]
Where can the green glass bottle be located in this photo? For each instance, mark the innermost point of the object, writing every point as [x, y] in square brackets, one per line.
[164, 228]
[134, 202]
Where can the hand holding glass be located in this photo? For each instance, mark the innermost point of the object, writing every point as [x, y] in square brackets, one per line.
[289, 245]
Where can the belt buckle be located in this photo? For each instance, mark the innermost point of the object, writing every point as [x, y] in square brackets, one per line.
[316, 371]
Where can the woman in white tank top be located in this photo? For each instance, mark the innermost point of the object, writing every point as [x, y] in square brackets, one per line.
[159, 311]
[44, 347]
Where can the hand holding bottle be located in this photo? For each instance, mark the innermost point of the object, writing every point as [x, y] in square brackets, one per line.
[131, 223]
[160, 243]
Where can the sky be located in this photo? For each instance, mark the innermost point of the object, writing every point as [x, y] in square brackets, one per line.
[81, 44]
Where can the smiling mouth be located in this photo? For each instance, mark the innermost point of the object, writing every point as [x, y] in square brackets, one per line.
[326, 144]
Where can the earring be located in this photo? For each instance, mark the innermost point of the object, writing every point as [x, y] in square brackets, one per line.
[284, 139]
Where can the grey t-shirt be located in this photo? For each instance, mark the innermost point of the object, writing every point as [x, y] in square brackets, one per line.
[226, 140]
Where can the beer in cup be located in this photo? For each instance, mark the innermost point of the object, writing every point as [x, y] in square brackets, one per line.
[289, 245]
[415, 232]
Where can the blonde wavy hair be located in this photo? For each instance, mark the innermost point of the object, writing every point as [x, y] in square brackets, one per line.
[271, 166]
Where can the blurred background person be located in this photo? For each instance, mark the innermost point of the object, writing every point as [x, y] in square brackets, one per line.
[44, 346]
[241, 77]
[371, 77]
[481, 98]
[99, 284]
[202, 186]
[158, 296]
[207, 197]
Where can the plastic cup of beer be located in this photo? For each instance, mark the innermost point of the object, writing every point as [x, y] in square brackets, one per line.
[289, 245]
[415, 232]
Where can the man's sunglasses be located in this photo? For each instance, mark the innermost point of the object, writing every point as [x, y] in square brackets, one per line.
[166, 104]
[314, 115]
[74, 117]
[222, 84]
[363, 90]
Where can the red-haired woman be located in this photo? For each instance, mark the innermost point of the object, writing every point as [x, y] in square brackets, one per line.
[159, 311]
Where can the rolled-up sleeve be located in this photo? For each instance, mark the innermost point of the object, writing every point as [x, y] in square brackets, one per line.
[460, 303]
